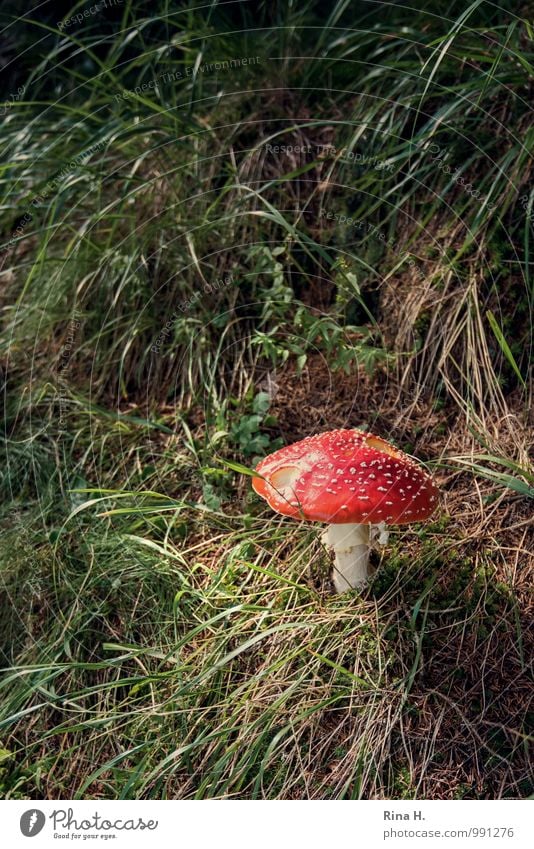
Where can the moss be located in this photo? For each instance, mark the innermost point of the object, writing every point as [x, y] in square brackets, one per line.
[402, 784]
[437, 526]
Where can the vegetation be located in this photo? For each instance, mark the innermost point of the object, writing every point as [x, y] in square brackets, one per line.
[225, 228]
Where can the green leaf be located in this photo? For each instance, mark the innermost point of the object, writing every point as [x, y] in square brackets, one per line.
[504, 346]
[301, 362]
[240, 469]
[261, 403]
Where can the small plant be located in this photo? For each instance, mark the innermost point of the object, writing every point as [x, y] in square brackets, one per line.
[246, 433]
[346, 347]
[279, 297]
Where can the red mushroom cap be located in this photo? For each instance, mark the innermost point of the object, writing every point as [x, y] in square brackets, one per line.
[346, 476]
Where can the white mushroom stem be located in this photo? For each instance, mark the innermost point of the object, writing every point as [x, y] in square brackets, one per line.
[350, 544]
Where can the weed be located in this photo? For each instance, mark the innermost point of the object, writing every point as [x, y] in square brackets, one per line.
[178, 300]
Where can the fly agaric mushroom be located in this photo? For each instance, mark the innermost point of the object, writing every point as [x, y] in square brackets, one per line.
[356, 482]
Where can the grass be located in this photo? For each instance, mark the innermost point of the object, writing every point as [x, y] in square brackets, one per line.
[177, 301]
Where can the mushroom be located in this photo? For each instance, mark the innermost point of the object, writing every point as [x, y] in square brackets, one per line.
[356, 482]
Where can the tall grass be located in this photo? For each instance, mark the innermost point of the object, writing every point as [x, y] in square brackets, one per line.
[198, 261]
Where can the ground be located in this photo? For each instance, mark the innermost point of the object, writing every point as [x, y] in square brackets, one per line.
[179, 299]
